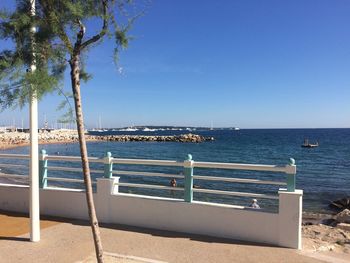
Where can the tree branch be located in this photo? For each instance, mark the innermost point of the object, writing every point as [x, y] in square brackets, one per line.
[66, 98]
[80, 35]
[103, 30]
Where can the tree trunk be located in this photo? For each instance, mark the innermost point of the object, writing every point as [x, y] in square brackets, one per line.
[75, 78]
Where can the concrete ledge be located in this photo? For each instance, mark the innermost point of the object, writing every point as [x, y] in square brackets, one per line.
[217, 220]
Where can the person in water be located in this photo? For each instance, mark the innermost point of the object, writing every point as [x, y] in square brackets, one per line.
[173, 182]
[254, 204]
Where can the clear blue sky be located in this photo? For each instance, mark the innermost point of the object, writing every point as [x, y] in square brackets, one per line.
[252, 64]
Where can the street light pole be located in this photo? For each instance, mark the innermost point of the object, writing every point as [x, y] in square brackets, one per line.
[34, 206]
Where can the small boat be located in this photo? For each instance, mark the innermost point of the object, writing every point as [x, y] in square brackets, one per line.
[129, 129]
[306, 144]
[148, 130]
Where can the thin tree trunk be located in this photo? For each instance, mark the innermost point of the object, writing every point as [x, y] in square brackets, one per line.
[75, 78]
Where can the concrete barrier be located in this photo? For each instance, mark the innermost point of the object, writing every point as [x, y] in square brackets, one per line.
[217, 220]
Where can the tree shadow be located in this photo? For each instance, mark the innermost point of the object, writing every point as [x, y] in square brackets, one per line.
[143, 230]
[173, 234]
[22, 239]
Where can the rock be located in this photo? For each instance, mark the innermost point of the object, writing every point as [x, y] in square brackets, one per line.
[325, 248]
[343, 216]
[344, 226]
[340, 204]
[325, 238]
[307, 223]
[72, 136]
[329, 222]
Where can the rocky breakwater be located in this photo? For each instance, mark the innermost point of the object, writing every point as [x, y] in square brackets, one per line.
[11, 139]
[19, 138]
[194, 138]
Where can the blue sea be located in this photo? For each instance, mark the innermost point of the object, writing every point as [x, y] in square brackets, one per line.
[323, 172]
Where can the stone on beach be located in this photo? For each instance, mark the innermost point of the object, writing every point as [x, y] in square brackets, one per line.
[344, 226]
[340, 204]
[325, 238]
[343, 216]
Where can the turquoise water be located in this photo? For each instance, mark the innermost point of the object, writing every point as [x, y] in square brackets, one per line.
[323, 172]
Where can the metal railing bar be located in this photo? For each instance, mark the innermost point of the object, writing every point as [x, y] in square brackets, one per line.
[220, 192]
[119, 172]
[72, 158]
[71, 169]
[65, 189]
[148, 162]
[151, 186]
[237, 180]
[14, 156]
[13, 165]
[13, 176]
[96, 171]
[72, 180]
[67, 169]
[239, 166]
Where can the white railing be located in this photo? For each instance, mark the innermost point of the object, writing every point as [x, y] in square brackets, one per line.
[282, 228]
[188, 168]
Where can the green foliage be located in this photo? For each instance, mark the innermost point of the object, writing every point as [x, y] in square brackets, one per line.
[17, 82]
[68, 116]
[58, 24]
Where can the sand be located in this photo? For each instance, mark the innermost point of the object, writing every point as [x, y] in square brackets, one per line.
[17, 224]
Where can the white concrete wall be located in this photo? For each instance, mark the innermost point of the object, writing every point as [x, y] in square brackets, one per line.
[226, 221]
[290, 219]
[196, 218]
[55, 202]
[14, 198]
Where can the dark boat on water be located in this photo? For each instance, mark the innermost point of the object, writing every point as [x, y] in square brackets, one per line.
[306, 144]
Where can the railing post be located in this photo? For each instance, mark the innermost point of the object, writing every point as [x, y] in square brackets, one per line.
[291, 174]
[290, 212]
[108, 169]
[188, 171]
[43, 169]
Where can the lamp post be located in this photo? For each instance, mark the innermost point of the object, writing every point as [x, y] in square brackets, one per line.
[34, 207]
